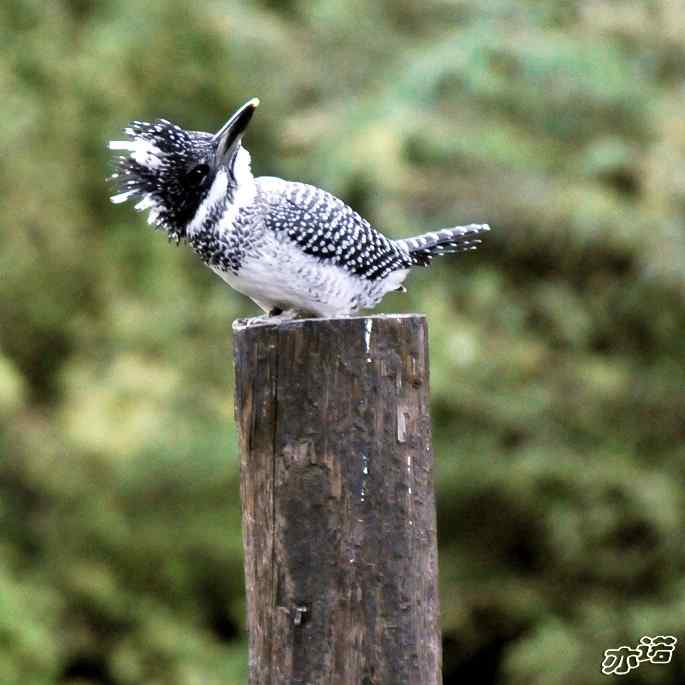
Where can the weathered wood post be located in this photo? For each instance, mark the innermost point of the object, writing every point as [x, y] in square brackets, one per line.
[338, 503]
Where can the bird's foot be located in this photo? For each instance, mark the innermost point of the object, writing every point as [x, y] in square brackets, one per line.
[275, 315]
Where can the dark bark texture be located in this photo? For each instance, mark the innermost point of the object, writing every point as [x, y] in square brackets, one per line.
[338, 503]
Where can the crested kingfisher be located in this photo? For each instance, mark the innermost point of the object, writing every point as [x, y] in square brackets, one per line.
[292, 248]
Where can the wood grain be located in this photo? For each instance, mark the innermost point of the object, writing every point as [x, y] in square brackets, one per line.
[338, 502]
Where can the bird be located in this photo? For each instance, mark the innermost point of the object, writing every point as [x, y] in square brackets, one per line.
[294, 249]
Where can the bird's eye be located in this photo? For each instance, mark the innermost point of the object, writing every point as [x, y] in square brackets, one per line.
[197, 175]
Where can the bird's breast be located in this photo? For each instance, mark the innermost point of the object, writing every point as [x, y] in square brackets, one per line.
[224, 243]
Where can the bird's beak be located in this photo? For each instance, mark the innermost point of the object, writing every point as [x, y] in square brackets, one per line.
[228, 137]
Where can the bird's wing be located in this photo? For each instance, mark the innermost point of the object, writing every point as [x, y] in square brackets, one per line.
[326, 228]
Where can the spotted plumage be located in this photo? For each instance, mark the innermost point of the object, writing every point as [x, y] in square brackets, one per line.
[326, 228]
[288, 246]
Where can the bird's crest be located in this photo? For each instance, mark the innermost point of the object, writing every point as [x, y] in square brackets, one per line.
[160, 164]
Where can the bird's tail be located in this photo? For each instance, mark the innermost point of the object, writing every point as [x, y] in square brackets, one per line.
[423, 248]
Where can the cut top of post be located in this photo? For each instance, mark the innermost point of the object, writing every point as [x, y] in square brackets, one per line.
[244, 324]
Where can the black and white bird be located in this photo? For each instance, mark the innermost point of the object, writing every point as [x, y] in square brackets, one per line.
[292, 248]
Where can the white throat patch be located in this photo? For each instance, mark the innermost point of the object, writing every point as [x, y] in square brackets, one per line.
[242, 169]
[243, 194]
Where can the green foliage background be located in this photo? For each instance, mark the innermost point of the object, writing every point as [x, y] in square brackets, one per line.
[558, 357]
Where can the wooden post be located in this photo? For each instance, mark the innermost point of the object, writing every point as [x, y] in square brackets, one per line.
[338, 503]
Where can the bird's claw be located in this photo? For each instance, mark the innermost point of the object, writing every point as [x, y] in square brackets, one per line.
[269, 318]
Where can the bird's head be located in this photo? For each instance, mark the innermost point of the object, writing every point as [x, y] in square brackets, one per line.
[172, 171]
